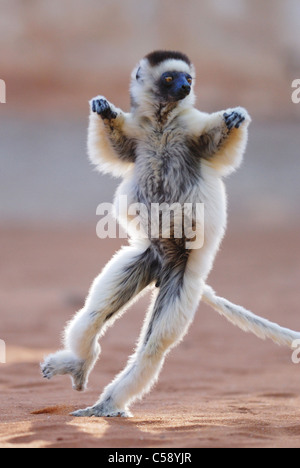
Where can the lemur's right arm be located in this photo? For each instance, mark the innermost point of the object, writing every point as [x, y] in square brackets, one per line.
[111, 144]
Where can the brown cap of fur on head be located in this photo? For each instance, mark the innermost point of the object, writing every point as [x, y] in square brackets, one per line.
[158, 56]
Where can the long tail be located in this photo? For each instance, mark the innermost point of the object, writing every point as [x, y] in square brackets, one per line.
[249, 322]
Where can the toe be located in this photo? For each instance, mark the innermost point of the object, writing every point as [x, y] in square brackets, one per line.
[81, 413]
[241, 120]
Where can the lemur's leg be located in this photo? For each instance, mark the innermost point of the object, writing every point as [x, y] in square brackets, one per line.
[166, 323]
[124, 277]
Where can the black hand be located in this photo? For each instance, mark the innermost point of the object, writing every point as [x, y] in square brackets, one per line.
[102, 107]
[234, 119]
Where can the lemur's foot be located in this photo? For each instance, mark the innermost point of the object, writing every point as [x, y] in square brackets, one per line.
[101, 410]
[102, 107]
[65, 362]
[234, 119]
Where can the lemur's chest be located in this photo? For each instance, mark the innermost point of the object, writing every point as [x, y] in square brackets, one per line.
[165, 167]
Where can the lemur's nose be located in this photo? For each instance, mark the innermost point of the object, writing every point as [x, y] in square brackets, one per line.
[186, 88]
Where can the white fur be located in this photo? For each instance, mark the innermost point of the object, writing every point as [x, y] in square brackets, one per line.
[100, 152]
[230, 156]
[82, 333]
[144, 366]
[249, 322]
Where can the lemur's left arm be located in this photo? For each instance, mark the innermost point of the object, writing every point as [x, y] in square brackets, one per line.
[111, 143]
[222, 138]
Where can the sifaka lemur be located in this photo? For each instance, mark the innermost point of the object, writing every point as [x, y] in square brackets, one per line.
[168, 152]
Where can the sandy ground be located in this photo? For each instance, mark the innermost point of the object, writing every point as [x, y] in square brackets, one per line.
[219, 388]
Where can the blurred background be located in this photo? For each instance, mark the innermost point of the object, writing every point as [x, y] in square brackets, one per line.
[55, 56]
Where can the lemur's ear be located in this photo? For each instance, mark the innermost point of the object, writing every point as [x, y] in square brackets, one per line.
[138, 74]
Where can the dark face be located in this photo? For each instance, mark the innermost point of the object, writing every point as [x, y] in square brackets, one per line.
[174, 86]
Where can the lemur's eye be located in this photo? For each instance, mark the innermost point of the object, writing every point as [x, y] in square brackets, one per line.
[168, 79]
[189, 80]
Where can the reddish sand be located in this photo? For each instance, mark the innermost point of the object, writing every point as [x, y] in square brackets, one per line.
[219, 388]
